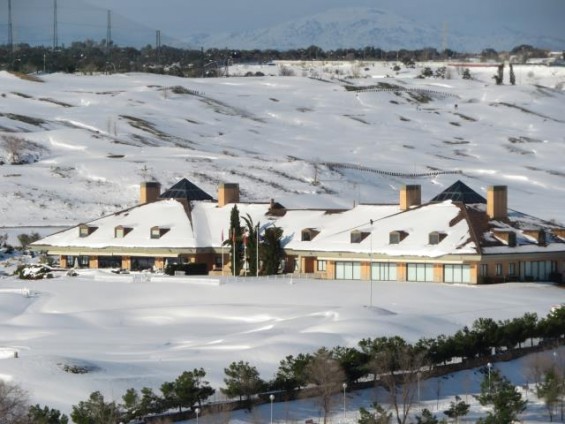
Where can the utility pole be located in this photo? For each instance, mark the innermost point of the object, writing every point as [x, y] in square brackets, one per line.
[10, 28]
[158, 45]
[109, 33]
[55, 26]
[444, 39]
[202, 59]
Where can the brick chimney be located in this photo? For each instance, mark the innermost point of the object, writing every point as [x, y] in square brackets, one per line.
[228, 193]
[497, 202]
[410, 195]
[149, 192]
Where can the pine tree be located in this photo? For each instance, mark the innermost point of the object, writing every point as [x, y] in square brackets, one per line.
[235, 241]
[498, 391]
[550, 390]
[46, 415]
[242, 380]
[272, 251]
[457, 409]
[427, 417]
[380, 416]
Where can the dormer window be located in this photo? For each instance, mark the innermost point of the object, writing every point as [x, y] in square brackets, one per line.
[358, 236]
[120, 231]
[395, 237]
[308, 234]
[157, 232]
[85, 230]
[436, 237]
[559, 232]
[538, 235]
[507, 236]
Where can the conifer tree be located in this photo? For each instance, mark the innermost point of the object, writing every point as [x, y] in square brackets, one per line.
[500, 393]
[272, 252]
[235, 241]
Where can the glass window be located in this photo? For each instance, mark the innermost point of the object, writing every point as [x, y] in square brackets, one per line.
[457, 274]
[512, 268]
[420, 272]
[321, 266]
[383, 271]
[155, 233]
[348, 270]
[498, 269]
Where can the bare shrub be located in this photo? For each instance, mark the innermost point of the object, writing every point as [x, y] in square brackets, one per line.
[13, 403]
[328, 376]
[536, 366]
[285, 71]
[18, 151]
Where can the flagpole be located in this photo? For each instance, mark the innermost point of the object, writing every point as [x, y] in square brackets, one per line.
[233, 244]
[245, 255]
[222, 250]
[257, 252]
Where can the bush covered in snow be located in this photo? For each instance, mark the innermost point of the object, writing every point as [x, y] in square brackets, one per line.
[34, 272]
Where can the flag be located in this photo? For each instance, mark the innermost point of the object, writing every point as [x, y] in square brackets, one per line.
[222, 235]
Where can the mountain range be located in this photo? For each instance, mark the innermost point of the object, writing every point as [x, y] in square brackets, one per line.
[358, 27]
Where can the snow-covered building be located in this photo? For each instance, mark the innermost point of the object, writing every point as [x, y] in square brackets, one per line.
[456, 237]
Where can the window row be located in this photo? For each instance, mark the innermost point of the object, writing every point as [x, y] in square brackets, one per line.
[388, 271]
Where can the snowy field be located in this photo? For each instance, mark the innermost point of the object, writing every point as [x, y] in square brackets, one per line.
[89, 140]
[135, 334]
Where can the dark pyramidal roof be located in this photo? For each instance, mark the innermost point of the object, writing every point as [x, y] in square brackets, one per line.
[459, 192]
[184, 189]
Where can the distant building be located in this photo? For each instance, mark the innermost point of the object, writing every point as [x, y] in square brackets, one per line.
[456, 237]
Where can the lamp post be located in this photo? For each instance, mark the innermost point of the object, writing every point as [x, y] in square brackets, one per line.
[344, 385]
[371, 264]
[271, 398]
[197, 412]
[419, 375]
[257, 253]
[489, 366]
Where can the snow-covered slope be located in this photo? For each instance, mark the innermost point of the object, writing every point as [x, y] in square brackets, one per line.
[145, 333]
[304, 141]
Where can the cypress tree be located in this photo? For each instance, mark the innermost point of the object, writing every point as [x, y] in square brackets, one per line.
[235, 241]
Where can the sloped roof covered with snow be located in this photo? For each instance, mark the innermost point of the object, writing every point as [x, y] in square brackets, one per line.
[169, 215]
[465, 228]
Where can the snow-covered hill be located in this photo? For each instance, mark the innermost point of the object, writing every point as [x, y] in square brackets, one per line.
[358, 27]
[331, 135]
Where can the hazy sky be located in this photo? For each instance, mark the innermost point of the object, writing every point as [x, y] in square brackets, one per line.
[179, 17]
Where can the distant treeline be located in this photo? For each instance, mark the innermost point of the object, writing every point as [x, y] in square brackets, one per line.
[90, 56]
